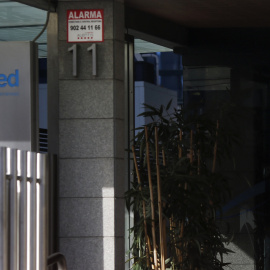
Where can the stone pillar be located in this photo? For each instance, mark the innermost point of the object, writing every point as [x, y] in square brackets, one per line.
[91, 144]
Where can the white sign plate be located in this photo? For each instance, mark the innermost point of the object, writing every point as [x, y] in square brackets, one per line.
[17, 88]
[85, 25]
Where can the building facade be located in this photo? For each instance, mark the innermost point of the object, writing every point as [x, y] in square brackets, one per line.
[90, 105]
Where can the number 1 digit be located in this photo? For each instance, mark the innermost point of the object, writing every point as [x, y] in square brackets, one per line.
[93, 48]
[73, 49]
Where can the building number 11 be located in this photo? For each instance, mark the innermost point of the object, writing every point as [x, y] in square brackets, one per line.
[92, 49]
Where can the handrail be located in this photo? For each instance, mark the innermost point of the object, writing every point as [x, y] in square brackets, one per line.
[58, 258]
[25, 179]
[24, 214]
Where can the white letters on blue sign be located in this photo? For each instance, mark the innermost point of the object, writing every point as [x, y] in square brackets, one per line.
[11, 80]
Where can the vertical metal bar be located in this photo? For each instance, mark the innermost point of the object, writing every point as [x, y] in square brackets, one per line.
[43, 214]
[53, 80]
[53, 245]
[129, 128]
[13, 210]
[22, 173]
[3, 212]
[33, 209]
[34, 98]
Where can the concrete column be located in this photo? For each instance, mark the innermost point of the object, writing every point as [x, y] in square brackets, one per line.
[91, 144]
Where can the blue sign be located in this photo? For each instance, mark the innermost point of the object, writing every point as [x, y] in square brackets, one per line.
[11, 80]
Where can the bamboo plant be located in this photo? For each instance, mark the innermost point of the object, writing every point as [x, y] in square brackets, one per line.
[177, 193]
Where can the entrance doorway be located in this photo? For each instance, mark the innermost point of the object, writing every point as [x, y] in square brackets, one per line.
[158, 75]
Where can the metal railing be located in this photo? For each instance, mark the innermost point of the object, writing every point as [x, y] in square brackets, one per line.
[24, 210]
[43, 140]
[59, 259]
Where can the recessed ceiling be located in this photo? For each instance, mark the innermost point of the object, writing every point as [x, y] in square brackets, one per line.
[19, 22]
[208, 13]
[197, 13]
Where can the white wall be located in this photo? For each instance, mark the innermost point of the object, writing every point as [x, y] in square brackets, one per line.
[153, 95]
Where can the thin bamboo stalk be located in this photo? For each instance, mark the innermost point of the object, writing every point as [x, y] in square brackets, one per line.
[151, 198]
[163, 157]
[199, 162]
[215, 150]
[181, 237]
[180, 154]
[180, 150]
[144, 211]
[199, 153]
[150, 251]
[179, 253]
[191, 147]
[164, 221]
[172, 229]
[164, 239]
[185, 187]
[162, 259]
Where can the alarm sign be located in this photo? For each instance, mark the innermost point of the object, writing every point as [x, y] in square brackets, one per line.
[85, 25]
